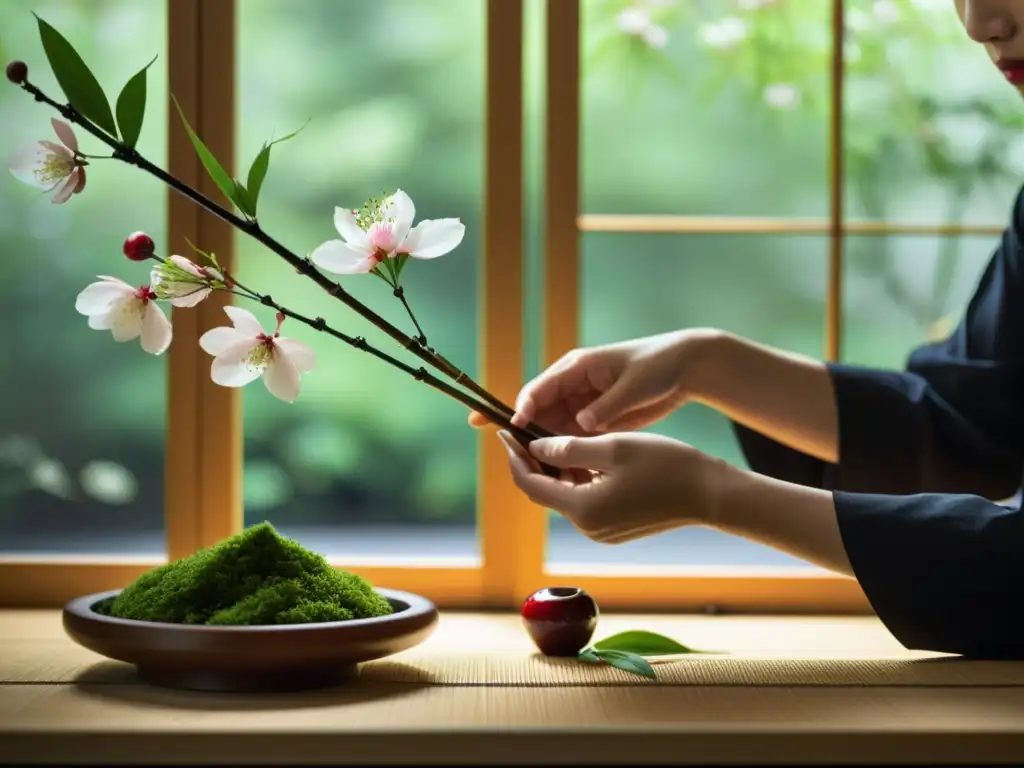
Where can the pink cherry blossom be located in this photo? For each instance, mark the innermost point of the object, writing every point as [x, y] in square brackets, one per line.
[50, 166]
[244, 353]
[384, 232]
[127, 312]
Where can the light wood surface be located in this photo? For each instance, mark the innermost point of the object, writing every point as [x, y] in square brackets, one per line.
[113, 719]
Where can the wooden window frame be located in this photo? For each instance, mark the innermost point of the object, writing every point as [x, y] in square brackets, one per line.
[204, 450]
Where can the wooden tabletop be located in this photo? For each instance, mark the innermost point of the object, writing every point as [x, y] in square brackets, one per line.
[48, 720]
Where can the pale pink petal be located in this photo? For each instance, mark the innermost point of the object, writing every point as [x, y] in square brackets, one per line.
[156, 330]
[65, 133]
[100, 322]
[26, 161]
[301, 355]
[400, 209]
[348, 228]
[217, 341]
[232, 368]
[187, 265]
[244, 320]
[434, 237]
[125, 318]
[96, 298]
[58, 150]
[81, 180]
[192, 298]
[341, 258]
[66, 189]
[282, 377]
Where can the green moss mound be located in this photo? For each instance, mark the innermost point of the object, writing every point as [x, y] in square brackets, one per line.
[255, 578]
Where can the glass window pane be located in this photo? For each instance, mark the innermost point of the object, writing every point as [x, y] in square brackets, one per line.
[367, 463]
[933, 130]
[770, 289]
[740, 86]
[82, 430]
[903, 291]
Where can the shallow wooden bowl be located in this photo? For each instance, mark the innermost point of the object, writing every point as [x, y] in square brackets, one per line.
[264, 658]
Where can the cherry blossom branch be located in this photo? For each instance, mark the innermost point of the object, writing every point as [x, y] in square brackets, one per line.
[499, 412]
[399, 292]
[360, 343]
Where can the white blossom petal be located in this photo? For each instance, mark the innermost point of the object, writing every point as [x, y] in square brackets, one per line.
[300, 354]
[244, 321]
[187, 294]
[65, 133]
[400, 209]
[26, 162]
[233, 368]
[100, 322]
[217, 341]
[187, 265]
[347, 226]
[281, 377]
[66, 189]
[96, 298]
[156, 330]
[126, 318]
[434, 237]
[341, 258]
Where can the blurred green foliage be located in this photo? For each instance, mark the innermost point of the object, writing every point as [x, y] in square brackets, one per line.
[729, 118]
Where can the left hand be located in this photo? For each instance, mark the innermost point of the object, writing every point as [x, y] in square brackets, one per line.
[621, 486]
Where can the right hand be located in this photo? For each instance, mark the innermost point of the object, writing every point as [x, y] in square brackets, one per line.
[614, 388]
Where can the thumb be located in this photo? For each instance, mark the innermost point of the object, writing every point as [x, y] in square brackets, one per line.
[576, 452]
[611, 404]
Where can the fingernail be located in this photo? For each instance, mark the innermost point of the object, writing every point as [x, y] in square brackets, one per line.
[586, 420]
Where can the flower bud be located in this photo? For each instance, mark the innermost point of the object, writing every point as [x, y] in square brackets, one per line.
[17, 72]
[139, 246]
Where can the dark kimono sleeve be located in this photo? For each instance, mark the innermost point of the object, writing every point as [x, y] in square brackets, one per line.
[922, 455]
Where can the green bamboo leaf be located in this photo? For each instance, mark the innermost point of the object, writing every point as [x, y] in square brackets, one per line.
[260, 166]
[80, 86]
[629, 662]
[244, 199]
[589, 656]
[644, 643]
[131, 106]
[220, 177]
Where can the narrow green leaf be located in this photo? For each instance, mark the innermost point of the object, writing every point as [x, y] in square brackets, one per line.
[220, 177]
[260, 166]
[131, 106]
[589, 656]
[643, 643]
[80, 86]
[244, 199]
[627, 661]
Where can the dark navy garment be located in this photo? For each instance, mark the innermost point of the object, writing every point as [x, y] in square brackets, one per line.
[924, 456]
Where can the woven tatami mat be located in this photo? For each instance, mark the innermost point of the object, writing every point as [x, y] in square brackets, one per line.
[508, 670]
[49, 661]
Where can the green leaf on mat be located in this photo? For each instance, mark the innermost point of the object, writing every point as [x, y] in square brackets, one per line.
[131, 106]
[80, 86]
[630, 662]
[589, 656]
[220, 177]
[644, 643]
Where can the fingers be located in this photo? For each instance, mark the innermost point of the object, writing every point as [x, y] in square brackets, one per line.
[580, 452]
[541, 489]
[543, 390]
[614, 402]
[477, 421]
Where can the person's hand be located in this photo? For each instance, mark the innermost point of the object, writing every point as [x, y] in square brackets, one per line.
[620, 487]
[615, 388]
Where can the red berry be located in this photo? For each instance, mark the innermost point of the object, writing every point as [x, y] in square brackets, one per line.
[17, 72]
[139, 246]
[561, 620]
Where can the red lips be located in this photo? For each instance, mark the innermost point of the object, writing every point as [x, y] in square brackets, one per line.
[1013, 70]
